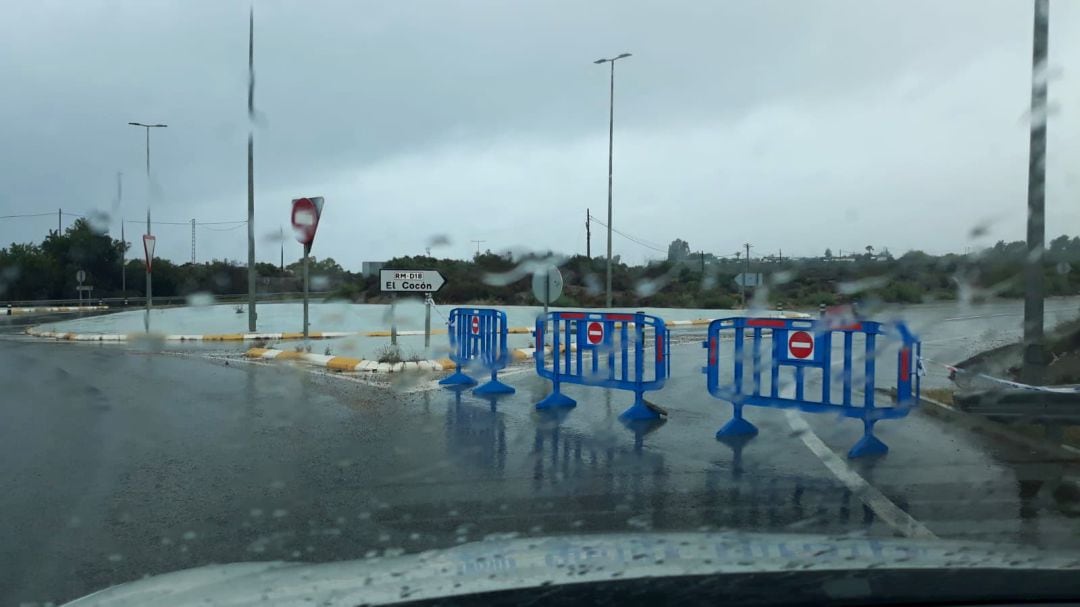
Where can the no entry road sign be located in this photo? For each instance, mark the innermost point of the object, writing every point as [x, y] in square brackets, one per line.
[305, 218]
[800, 345]
[595, 333]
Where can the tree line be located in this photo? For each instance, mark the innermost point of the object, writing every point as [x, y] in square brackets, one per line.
[47, 271]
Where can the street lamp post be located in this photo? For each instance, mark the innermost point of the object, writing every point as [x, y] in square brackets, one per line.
[149, 283]
[611, 139]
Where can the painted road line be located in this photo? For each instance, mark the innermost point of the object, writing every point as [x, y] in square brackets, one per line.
[874, 499]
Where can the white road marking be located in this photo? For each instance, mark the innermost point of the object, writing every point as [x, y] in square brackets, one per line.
[874, 499]
[882, 506]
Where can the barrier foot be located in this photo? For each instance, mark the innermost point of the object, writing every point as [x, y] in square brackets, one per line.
[868, 445]
[640, 410]
[556, 400]
[457, 378]
[494, 387]
[737, 427]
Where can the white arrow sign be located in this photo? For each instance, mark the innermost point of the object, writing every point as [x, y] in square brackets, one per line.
[410, 281]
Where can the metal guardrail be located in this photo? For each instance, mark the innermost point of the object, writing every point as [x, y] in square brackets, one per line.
[1021, 404]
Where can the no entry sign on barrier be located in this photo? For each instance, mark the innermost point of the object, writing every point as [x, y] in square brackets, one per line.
[604, 349]
[789, 363]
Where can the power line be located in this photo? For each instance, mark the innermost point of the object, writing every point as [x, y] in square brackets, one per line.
[637, 239]
[49, 214]
[633, 239]
[236, 227]
[188, 223]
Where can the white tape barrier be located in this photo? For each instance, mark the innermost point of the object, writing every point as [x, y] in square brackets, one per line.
[954, 371]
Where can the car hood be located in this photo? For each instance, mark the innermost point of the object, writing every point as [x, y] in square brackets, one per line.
[504, 564]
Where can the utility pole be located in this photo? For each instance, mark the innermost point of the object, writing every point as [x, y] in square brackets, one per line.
[703, 262]
[123, 262]
[252, 316]
[59, 212]
[478, 243]
[192, 242]
[588, 235]
[281, 237]
[746, 275]
[123, 241]
[610, 148]
[1034, 357]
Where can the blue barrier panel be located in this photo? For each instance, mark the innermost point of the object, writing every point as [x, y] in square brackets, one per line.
[478, 338]
[603, 349]
[803, 351]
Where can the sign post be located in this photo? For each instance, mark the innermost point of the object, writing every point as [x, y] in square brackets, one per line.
[410, 281]
[148, 242]
[80, 277]
[547, 286]
[305, 221]
[427, 320]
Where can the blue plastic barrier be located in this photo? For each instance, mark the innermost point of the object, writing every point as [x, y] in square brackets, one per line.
[606, 350]
[804, 349]
[478, 338]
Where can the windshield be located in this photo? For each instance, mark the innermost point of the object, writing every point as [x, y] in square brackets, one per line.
[331, 282]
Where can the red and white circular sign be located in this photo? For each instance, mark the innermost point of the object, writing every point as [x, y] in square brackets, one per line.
[800, 345]
[595, 333]
[305, 220]
[476, 325]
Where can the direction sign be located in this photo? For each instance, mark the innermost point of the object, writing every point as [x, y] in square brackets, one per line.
[749, 280]
[148, 243]
[410, 281]
[547, 284]
[800, 345]
[595, 333]
[475, 325]
[80, 276]
[305, 218]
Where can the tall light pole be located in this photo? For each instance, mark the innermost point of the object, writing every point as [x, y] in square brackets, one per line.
[1034, 357]
[611, 140]
[149, 189]
[252, 316]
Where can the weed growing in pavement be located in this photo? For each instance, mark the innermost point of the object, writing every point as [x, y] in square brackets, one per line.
[389, 354]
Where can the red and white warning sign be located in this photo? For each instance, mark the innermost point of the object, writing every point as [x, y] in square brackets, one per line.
[800, 345]
[595, 333]
[305, 218]
[148, 243]
[475, 325]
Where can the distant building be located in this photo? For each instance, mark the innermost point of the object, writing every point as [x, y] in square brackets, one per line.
[370, 268]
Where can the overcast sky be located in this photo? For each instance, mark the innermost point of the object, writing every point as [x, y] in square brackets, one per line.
[794, 125]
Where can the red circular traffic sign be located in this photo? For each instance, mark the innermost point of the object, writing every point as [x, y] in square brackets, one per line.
[595, 333]
[800, 345]
[305, 220]
[476, 325]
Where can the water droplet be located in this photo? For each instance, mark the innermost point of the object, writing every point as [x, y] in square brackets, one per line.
[280, 513]
[438, 240]
[202, 299]
[863, 284]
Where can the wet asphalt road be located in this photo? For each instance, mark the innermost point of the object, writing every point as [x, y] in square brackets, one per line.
[120, 463]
